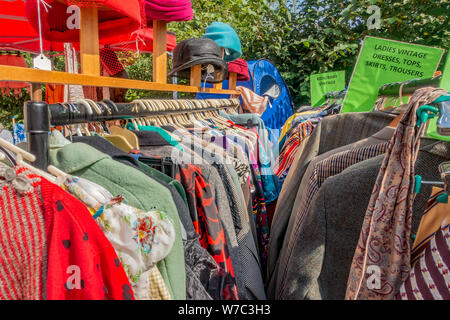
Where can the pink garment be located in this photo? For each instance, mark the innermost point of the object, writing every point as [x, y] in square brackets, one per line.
[253, 102]
[169, 10]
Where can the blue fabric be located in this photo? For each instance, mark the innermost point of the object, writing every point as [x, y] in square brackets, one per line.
[19, 133]
[226, 37]
[281, 108]
[271, 183]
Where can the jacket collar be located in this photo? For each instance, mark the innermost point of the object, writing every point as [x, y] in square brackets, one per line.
[75, 157]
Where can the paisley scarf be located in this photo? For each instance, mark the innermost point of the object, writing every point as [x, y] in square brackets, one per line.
[382, 258]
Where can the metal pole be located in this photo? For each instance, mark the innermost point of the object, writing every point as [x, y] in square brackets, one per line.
[37, 126]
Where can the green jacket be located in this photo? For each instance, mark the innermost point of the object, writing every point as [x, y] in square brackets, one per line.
[139, 190]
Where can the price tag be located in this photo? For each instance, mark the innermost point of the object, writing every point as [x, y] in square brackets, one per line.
[42, 62]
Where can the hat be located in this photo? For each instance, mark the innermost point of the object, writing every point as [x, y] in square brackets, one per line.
[169, 10]
[225, 36]
[199, 51]
[239, 66]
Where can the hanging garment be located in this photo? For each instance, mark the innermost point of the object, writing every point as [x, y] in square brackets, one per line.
[141, 239]
[436, 214]
[332, 132]
[236, 222]
[207, 223]
[332, 225]
[322, 170]
[16, 61]
[290, 148]
[66, 235]
[429, 278]
[54, 93]
[388, 216]
[253, 103]
[6, 135]
[23, 247]
[72, 93]
[251, 276]
[152, 145]
[139, 190]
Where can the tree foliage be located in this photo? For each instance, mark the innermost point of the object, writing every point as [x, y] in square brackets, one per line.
[301, 37]
[310, 36]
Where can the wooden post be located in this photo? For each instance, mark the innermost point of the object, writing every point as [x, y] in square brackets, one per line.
[159, 51]
[196, 76]
[232, 81]
[89, 41]
[36, 92]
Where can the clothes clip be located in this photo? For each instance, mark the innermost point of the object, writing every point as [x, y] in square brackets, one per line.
[424, 113]
[443, 198]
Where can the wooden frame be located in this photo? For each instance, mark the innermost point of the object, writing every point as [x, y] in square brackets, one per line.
[90, 65]
[9, 73]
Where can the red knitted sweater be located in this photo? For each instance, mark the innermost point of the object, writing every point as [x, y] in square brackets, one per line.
[53, 249]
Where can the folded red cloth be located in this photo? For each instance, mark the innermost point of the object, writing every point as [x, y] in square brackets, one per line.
[169, 10]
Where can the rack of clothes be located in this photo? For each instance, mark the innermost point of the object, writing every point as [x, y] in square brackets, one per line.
[363, 212]
[298, 127]
[155, 199]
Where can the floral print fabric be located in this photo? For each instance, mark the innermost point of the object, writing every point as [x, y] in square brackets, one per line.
[141, 239]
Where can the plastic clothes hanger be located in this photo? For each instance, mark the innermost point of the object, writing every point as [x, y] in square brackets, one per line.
[120, 142]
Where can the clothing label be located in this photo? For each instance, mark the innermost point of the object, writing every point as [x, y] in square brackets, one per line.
[383, 61]
[323, 83]
[42, 62]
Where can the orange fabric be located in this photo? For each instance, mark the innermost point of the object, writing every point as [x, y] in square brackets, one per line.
[54, 93]
[431, 221]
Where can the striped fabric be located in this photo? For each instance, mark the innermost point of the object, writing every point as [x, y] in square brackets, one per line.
[290, 148]
[429, 278]
[434, 216]
[22, 237]
[323, 170]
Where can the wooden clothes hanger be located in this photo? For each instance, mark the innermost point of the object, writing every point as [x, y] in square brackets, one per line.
[22, 155]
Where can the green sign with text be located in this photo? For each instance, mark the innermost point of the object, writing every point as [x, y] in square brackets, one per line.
[323, 83]
[383, 61]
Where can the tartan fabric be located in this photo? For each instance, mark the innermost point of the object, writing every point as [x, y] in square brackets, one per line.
[429, 278]
[158, 288]
[323, 170]
[290, 148]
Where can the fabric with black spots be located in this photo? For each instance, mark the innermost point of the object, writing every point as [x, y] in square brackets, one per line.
[82, 263]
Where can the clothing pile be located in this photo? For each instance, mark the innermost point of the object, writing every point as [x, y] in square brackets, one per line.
[182, 216]
[351, 220]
